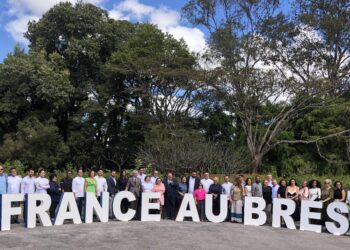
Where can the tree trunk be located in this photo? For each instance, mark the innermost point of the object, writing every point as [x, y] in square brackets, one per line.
[256, 163]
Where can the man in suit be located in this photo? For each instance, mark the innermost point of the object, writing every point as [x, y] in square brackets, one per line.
[171, 192]
[192, 182]
[112, 188]
[134, 186]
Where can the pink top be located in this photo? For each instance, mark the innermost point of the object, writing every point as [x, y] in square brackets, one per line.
[199, 194]
[304, 193]
[159, 189]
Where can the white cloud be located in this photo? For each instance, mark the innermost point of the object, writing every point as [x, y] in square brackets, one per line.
[166, 19]
[23, 11]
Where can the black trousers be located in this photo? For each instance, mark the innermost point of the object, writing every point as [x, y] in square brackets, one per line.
[201, 209]
[170, 205]
[80, 202]
[216, 205]
[14, 218]
[53, 209]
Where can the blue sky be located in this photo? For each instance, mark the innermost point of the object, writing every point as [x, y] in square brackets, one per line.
[15, 14]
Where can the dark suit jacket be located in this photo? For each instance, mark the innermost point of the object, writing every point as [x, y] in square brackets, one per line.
[196, 182]
[171, 190]
[134, 187]
[112, 186]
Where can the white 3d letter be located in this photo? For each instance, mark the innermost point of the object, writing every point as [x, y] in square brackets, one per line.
[116, 206]
[249, 210]
[67, 209]
[188, 200]
[278, 213]
[209, 208]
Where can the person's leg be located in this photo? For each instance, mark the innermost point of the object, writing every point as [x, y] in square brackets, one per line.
[239, 211]
[233, 210]
[110, 213]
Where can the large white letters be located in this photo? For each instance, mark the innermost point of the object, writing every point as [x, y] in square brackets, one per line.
[67, 209]
[209, 208]
[306, 215]
[116, 206]
[92, 205]
[249, 210]
[188, 200]
[278, 213]
[6, 209]
[147, 205]
[32, 210]
[337, 217]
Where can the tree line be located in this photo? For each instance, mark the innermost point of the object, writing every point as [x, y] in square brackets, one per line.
[270, 93]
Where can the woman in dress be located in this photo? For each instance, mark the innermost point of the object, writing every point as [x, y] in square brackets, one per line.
[147, 184]
[314, 190]
[248, 186]
[159, 187]
[238, 192]
[90, 183]
[292, 192]
[199, 196]
[327, 194]
[339, 192]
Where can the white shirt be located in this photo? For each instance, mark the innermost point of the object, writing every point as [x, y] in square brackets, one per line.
[101, 184]
[206, 184]
[147, 186]
[78, 186]
[141, 177]
[14, 184]
[348, 197]
[154, 179]
[28, 185]
[191, 184]
[314, 193]
[226, 189]
[249, 190]
[41, 184]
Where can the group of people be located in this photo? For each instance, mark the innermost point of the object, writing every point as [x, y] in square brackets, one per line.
[172, 192]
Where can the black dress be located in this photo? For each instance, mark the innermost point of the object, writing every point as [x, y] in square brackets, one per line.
[296, 214]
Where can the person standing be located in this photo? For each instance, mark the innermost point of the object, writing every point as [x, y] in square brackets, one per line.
[304, 192]
[192, 182]
[216, 190]
[257, 187]
[154, 177]
[134, 185]
[147, 185]
[122, 182]
[182, 191]
[27, 187]
[275, 188]
[206, 182]
[237, 196]
[339, 192]
[112, 189]
[226, 189]
[314, 190]
[171, 192]
[159, 188]
[101, 183]
[55, 193]
[267, 196]
[292, 192]
[14, 187]
[199, 196]
[3, 180]
[141, 174]
[78, 188]
[41, 183]
[327, 195]
[66, 182]
[270, 179]
[281, 193]
[248, 186]
[90, 185]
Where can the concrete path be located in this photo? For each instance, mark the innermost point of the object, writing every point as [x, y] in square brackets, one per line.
[167, 235]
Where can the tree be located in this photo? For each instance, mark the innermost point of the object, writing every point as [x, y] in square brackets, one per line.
[251, 79]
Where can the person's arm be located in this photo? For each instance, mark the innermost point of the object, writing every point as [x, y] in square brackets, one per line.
[22, 186]
[73, 188]
[306, 192]
[127, 185]
[85, 185]
[105, 186]
[286, 194]
[343, 195]
[47, 185]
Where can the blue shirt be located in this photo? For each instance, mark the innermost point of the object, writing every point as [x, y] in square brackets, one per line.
[3, 184]
[274, 191]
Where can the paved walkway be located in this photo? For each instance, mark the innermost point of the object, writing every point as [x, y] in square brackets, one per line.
[167, 235]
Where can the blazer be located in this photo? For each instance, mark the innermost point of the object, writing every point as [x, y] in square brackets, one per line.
[196, 182]
[112, 186]
[134, 186]
[171, 190]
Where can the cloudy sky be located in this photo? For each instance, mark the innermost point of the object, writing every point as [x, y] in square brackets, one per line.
[15, 14]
